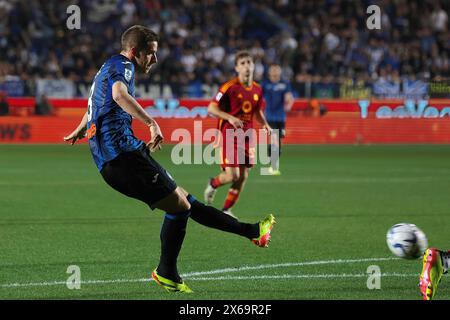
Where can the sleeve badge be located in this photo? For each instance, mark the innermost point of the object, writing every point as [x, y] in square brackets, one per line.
[128, 74]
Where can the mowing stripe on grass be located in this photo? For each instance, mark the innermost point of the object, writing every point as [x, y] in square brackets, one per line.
[194, 275]
[303, 180]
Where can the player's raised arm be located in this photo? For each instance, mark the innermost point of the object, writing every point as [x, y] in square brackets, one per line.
[213, 109]
[121, 96]
[79, 132]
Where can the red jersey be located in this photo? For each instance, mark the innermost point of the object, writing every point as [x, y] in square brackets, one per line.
[239, 101]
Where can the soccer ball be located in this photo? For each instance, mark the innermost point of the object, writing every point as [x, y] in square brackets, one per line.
[406, 240]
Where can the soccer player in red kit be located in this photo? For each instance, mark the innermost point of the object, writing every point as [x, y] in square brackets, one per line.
[236, 103]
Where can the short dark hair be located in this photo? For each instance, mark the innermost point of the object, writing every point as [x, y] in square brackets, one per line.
[138, 36]
[242, 54]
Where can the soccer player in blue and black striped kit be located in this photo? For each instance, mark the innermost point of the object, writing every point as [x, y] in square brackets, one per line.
[125, 162]
[279, 99]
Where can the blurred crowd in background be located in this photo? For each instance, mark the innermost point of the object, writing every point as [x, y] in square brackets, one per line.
[323, 46]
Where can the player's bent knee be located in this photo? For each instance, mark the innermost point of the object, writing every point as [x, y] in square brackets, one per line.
[174, 203]
[228, 177]
[236, 178]
[183, 191]
[184, 206]
[183, 202]
[243, 174]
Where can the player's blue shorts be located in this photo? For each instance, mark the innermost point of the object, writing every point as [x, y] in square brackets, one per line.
[137, 175]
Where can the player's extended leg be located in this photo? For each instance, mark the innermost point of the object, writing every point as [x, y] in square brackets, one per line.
[236, 188]
[435, 264]
[258, 233]
[226, 176]
[183, 205]
[137, 175]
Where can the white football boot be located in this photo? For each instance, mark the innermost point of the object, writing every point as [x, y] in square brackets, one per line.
[210, 193]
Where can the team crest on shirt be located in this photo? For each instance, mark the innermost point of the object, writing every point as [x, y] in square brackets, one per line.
[255, 97]
[128, 74]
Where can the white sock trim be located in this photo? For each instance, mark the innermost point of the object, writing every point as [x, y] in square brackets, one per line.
[445, 260]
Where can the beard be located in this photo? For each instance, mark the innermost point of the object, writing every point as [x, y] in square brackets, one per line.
[141, 67]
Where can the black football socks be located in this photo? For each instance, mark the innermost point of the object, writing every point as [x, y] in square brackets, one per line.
[172, 235]
[214, 218]
[173, 230]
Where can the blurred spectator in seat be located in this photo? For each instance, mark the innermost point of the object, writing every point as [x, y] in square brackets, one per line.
[308, 38]
[43, 106]
[4, 106]
[439, 18]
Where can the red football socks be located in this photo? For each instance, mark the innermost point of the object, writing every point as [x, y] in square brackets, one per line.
[215, 182]
[232, 197]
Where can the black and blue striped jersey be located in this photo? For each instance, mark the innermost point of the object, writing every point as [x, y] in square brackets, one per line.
[109, 126]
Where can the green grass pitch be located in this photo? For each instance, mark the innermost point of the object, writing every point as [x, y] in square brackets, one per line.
[333, 204]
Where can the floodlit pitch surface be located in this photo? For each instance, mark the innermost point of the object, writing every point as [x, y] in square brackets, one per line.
[333, 205]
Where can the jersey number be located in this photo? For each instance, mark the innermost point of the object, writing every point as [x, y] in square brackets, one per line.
[89, 112]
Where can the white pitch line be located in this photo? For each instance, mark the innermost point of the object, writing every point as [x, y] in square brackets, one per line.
[194, 275]
[284, 265]
[58, 283]
[302, 276]
[260, 277]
